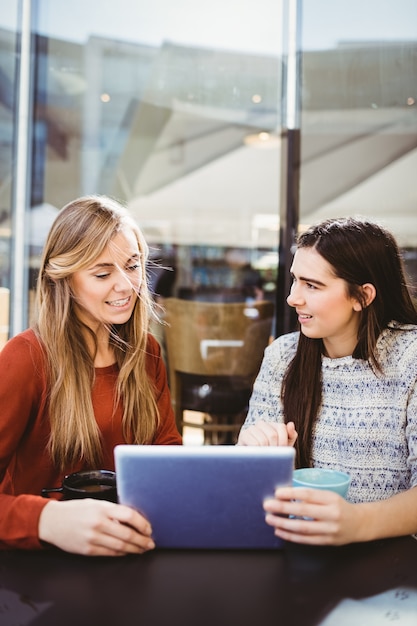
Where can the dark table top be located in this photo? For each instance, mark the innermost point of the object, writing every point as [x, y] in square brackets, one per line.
[296, 585]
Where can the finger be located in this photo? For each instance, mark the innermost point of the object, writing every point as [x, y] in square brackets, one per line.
[328, 511]
[128, 516]
[271, 434]
[119, 529]
[254, 436]
[307, 494]
[280, 434]
[274, 434]
[305, 526]
[121, 539]
[297, 525]
[265, 435]
[305, 532]
[299, 510]
[113, 537]
[131, 529]
[246, 438]
[292, 433]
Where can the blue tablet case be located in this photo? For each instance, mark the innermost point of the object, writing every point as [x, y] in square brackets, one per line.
[204, 496]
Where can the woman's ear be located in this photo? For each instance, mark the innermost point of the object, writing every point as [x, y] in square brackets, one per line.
[369, 295]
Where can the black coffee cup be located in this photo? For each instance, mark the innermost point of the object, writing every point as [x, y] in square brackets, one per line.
[97, 484]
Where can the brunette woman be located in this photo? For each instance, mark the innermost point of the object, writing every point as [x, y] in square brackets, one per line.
[346, 385]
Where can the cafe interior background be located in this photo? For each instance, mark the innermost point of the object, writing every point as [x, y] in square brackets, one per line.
[225, 127]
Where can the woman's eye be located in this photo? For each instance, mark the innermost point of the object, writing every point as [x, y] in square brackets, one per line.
[132, 268]
[102, 275]
[311, 286]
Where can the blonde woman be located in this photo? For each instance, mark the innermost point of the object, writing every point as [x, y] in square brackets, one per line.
[86, 377]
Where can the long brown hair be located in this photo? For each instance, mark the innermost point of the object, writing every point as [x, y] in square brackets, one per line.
[359, 252]
[80, 233]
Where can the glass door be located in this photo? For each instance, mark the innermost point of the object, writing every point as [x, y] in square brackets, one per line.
[174, 109]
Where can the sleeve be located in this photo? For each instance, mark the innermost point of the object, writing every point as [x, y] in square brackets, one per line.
[20, 397]
[265, 403]
[20, 394]
[167, 433]
[411, 424]
[398, 353]
[19, 521]
[411, 434]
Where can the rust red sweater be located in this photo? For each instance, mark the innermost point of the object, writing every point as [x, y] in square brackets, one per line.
[25, 466]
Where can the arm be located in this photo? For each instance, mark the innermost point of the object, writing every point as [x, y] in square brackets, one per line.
[264, 424]
[95, 527]
[21, 400]
[336, 521]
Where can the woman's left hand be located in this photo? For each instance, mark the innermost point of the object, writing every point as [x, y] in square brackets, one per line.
[268, 434]
[312, 516]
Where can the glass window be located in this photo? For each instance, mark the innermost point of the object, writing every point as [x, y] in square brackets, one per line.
[174, 109]
[8, 60]
[359, 114]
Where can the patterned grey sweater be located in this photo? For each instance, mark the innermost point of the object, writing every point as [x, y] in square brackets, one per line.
[367, 424]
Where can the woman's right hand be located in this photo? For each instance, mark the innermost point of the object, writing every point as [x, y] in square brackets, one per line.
[268, 434]
[95, 527]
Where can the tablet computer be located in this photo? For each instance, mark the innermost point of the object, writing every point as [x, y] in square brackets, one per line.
[204, 496]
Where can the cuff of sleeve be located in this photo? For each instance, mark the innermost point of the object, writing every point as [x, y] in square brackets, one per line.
[19, 522]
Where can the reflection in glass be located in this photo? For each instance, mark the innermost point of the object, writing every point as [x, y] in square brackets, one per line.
[156, 111]
[8, 59]
[359, 115]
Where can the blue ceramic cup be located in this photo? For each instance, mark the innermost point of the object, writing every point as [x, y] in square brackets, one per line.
[318, 478]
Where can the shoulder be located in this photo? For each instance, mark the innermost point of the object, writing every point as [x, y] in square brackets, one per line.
[153, 349]
[24, 345]
[277, 357]
[23, 364]
[284, 347]
[397, 347]
[398, 327]
[400, 338]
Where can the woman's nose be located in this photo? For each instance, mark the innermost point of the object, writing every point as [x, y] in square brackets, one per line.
[122, 282]
[294, 297]
[290, 300]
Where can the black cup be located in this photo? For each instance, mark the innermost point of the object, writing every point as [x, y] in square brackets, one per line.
[97, 484]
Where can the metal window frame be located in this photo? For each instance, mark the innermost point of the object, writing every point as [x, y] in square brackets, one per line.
[22, 172]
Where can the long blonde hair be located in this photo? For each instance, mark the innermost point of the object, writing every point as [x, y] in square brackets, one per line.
[80, 233]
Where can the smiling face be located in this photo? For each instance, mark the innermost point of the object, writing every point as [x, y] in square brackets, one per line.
[324, 307]
[107, 290]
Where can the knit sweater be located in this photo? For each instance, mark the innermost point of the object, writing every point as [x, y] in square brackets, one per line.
[367, 422]
[25, 466]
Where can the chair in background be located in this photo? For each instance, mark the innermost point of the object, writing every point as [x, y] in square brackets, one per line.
[214, 351]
